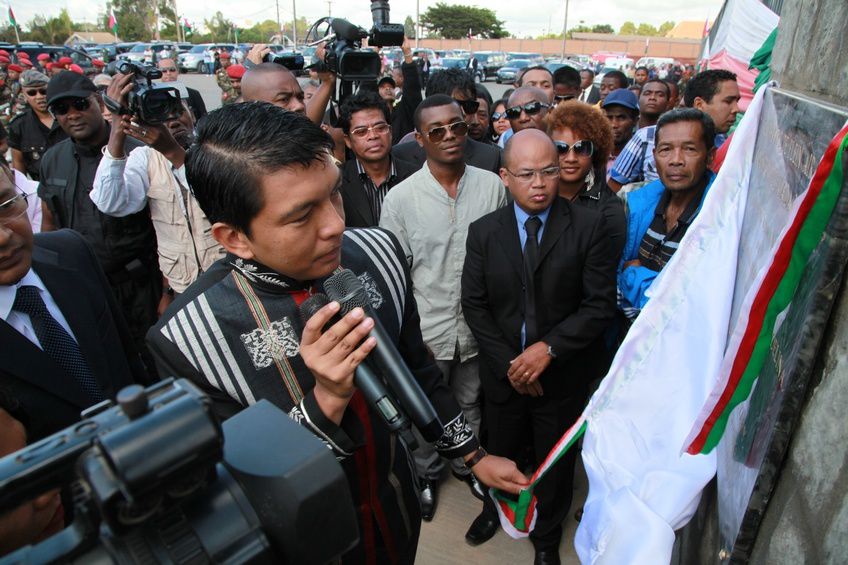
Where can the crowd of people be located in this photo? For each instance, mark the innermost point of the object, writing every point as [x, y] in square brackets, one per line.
[505, 246]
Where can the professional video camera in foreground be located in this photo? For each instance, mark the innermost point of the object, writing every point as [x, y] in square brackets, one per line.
[150, 103]
[150, 485]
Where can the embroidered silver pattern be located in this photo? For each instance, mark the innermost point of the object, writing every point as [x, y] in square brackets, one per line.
[457, 432]
[251, 272]
[267, 346]
[374, 296]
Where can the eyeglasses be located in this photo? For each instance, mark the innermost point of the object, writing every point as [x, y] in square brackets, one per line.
[363, 131]
[498, 115]
[169, 70]
[581, 148]
[437, 134]
[13, 208]
[36, 91]
[62, 107]
[528, 176]
[531, 108]
[564, 97]
[468, 106]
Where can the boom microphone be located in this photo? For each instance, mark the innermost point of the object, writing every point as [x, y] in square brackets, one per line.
[373, 389]
[347, 290]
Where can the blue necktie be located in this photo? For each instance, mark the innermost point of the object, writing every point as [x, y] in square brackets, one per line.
[56, 342]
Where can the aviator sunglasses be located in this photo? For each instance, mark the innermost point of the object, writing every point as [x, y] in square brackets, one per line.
[438, 133]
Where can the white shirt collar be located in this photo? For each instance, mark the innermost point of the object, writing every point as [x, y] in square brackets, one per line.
[8, 292]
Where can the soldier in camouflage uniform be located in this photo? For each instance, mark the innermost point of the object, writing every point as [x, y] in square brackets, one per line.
[228, 93]
[5, 91]
[13, 81]
[234, 74]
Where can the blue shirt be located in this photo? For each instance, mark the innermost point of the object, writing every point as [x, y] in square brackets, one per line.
[521, 217]
[636, 163]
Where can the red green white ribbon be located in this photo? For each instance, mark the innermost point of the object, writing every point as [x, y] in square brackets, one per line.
[777, 285]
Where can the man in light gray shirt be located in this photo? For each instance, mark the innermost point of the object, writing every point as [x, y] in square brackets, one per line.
[430, 212]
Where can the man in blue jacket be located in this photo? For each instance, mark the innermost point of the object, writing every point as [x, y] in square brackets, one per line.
[660, 213]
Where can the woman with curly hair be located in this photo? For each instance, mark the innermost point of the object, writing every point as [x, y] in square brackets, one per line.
[583, 137]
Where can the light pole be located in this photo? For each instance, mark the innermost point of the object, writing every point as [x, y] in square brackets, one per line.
[564, 30]
[279, 25]
[417, 23]
[294, 24]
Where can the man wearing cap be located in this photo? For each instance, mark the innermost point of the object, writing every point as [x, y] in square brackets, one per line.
[65, 63]
[622, 109]
[43, 59]
[233, 94]
[171, 73]
[125, 247]
[223, 79]
[33, 130]
[154, 176]
[13, 82]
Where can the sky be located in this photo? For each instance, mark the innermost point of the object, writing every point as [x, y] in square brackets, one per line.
[547, 15]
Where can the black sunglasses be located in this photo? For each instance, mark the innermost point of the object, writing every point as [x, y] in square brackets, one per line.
[468, 106]
[581, 148]
[564, 97]
[62, 107]
[438, 133]
[498, 115]
[531, 108]
[35, 91]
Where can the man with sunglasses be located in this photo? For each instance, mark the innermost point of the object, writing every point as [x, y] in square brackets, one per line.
[456, 84]
[171, 73]
[538, 288]
[430, 213]
[527, 108]
[566, 84]
[368, 177]
[125, 247]
[34, 130]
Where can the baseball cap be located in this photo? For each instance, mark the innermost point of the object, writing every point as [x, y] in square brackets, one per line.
[389, 80]
[33, 78]
[621, 97]
[68, 84]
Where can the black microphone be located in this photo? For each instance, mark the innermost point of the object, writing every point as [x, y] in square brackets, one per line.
[347, 290]
[373, 389]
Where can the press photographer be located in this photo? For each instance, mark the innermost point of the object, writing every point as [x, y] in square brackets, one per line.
[154, 175]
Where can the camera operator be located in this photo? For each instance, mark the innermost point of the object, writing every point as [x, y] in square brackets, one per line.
[235, 332]
[403, 110]
[154, 175]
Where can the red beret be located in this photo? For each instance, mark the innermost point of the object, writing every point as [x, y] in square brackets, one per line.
[77, 69]
[4, 52]
[235, 71]
[16, 68]
[66, 61]
[98, 63]
[5, 59]
[48, 66]
[224, 55]
[22, 55]
[26, 63]
[43, 57]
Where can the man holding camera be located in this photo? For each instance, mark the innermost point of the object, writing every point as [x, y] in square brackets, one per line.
[125, 247]
[154, 176]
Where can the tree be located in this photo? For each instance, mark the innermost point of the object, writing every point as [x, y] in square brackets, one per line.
[646, 29]
[219, 27]
[454, 21]
[627, 28]
[603, 28]
[135, 19]
[665, 28]
[54, 30]
[409, 27]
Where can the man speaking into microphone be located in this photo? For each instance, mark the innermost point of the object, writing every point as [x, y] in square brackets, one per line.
[267, 181]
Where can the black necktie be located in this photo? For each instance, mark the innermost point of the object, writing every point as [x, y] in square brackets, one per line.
[531, 258]
[55, 341]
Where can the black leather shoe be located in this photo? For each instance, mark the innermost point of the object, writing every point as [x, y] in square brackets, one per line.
[482, 529]
[546, 557]
[474, 485]
[428, 499]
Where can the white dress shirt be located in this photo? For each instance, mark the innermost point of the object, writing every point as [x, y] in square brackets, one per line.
[584, 95]
[22, 322]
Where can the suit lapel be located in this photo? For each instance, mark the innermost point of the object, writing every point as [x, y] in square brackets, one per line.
[508, 238]
[79, 313]
[558, 221]
[356, 194]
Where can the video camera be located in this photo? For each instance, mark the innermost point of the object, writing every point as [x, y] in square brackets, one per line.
[291, 61]
[344, 55]
[151, 486]
[150, 103]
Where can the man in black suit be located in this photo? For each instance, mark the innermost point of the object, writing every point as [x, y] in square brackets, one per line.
[458, 85]
[534, 337]
[367, 178]
[589, 93]
[65, 343]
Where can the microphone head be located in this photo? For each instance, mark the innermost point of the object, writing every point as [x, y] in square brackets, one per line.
[346, 288]
[311, 305]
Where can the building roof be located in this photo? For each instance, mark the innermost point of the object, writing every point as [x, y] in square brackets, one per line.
[90, 37]
[692, 29]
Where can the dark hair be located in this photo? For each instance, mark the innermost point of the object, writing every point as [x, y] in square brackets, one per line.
[671, 84]
[239, 143]
[620, 77]
[705, 85]
[587, 70]
[362, 100]
[483, 92]
[445, 81]
[689, 115]
[431, 102]
[520, 81]
[567, 76]
[660, 81]
[642, 68]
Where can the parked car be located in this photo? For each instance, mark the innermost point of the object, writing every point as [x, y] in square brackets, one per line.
[193, 60]
[33, 49]
[556, 64]
[462, 63]
[509, 72]
[534, 58]
[146, 53]
[490, 62]
[435, 60]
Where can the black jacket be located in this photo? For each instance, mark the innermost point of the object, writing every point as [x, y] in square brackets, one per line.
[356, 206]
[600, 197]
[404, 110]
[52, 400]
[480, 155]
[195, 102]
[575, 294]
